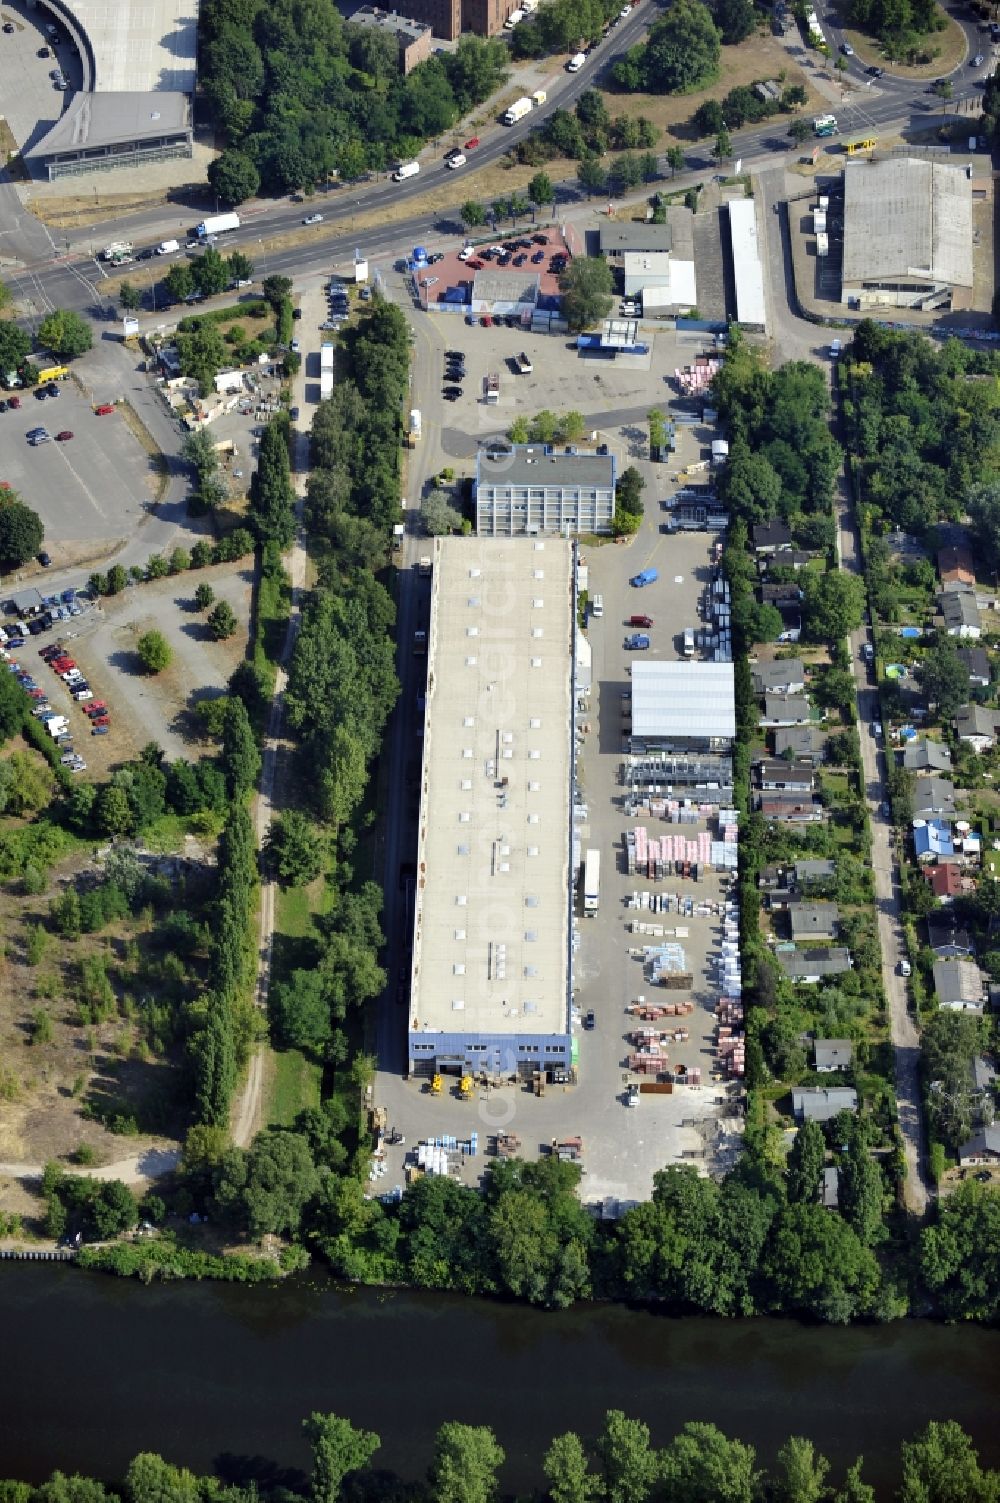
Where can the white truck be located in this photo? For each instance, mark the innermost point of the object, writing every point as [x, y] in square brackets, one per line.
[167, 247]
[405, 170]
[325, 370]
[517, 111]
[217, 224]
[576, 62]
[118, 253]
[538, 98]
[591, 882]
[416, 428]
[514, 19]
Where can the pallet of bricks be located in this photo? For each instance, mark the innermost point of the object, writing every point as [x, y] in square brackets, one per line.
[730, 1037]
[651, 1012]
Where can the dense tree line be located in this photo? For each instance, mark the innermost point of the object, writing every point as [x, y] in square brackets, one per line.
[272, 495]
[619, 1464]
[924, 432]
[300, 95]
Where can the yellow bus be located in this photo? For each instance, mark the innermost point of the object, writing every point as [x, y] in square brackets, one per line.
[53, 373]
[863, 143]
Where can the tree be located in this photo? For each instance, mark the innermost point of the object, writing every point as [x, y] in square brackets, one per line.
[943, 677]
[966, 1285]
[267, 1188]
[466, 1461]
[112, 811]
[233, 177]
[240, 757]
[21, 531]
[222, 621]
[15, 347]
[800, 131]
[816, 1263]
[675, 160]
[801, 1472]
[275, 289]
[210, 272]
[540, 189]
[701, 1465]
[438, 515]
[628, 492]
[942, 1466]
[735, 19]
[204, 596]
[130, 297]
[586, 286]
[150, 1479]
[834, 604]
[154, 651]
[473, 214]
[683, 49]
[627, 1460]
[592, 178]
[338, 1449]
[301, 1013]
[854, 1489]
[296, 848]
[566, 1471]
[723, 147]
[179, 281]
[241, 267]
[983, 506]
[65, 333]
[806, 1159]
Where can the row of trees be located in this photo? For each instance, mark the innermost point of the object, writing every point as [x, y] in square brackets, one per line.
[620, 1464]
[222, 1020]
[206, 275]
[302, 96]
[562, 26]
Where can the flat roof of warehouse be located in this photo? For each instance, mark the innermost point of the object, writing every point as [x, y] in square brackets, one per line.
[692, 700]
[491, 940]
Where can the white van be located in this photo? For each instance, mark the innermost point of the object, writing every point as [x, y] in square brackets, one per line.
[167, 247]
[405, 170]
[576, 62]
[597, 606]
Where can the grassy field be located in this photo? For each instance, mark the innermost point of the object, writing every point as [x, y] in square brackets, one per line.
[293, 1084]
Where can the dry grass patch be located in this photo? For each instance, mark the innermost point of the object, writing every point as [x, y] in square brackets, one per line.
[758, 58]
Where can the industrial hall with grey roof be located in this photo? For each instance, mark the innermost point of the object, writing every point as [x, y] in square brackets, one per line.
[908, 234]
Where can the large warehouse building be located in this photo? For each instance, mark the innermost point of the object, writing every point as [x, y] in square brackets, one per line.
[908, 239]
[491, 980]
[139, 60]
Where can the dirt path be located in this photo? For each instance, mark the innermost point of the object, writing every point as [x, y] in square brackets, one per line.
[247, 1119]
[137, 1169]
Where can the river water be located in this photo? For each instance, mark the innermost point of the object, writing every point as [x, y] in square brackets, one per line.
[94, 1369]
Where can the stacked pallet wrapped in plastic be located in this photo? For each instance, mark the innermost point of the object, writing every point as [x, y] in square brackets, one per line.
[694, 380]
[432, 1159]
[666, 960]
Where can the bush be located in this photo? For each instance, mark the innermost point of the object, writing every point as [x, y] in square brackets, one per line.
[204, 596]
[154, 651]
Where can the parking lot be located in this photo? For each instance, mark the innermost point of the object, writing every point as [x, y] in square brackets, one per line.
[31, 102]
[91, 488]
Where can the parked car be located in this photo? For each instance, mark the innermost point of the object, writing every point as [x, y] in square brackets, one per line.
[590, 1019]
[100, 730]
[105, 409]
[65, 436]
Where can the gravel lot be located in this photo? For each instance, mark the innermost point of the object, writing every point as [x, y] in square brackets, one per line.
[146, 708]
